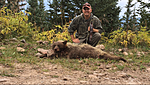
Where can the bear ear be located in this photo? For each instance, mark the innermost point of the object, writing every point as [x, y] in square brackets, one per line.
[65, 42]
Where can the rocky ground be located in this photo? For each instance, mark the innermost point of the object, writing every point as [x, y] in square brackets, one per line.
[56, 74]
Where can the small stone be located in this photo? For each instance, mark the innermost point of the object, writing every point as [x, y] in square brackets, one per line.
[123, 75]
[19, 49]
[38, 54]
[93, 76]
[100, 74]
[53, 80]
[45, 42]
[120, 50]
[125, 53]
[67, 78]
[148, 69]
[131, 53]
[50, 53]
[40, 42]
[4, 80]
[23, 41]
[42, 51]
[13, 39]
[83, 82]
[2, 48]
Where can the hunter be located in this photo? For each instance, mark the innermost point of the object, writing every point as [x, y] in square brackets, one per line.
[83, 24]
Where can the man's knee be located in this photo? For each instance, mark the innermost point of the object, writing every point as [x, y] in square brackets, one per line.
[97, 36]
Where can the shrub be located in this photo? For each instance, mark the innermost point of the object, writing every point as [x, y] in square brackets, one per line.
[15, 24]
[53, 35]
[129, 38]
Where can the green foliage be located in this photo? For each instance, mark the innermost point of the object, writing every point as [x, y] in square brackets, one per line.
[14, 24]
[130, 38]
[53, 36]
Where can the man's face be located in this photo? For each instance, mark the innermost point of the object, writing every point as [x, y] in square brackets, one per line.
[86, 9]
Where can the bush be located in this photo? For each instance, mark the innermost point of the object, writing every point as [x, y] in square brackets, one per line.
[54, 34]
[130, 38]
[15, 24]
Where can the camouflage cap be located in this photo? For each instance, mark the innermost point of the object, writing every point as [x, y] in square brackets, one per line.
[86, 5]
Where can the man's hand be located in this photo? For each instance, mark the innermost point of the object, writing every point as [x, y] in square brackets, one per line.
[76, 40]
[94, 30]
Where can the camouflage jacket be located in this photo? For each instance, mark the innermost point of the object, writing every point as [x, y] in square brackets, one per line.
[81, 25]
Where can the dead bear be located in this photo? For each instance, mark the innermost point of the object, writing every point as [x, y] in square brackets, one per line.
[74, 51]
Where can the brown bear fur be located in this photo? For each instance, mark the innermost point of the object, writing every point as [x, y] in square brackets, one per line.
[74, 51]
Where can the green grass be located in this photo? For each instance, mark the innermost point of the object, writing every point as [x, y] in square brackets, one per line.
[10, 56]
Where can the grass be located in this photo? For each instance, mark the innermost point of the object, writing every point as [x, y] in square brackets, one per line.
[10, 56]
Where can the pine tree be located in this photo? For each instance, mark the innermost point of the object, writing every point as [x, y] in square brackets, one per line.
[33, 8]
[54, 8]
[145, 15]
[2, 3]
[127, 17]
[13, 4]
[41, 15]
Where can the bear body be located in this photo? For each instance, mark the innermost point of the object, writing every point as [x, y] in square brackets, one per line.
[74, 51]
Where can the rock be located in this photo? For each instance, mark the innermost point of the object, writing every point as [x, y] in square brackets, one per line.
[39, 42]
[45, 42]
[38, 54]
[4, 80]
[100, 74]
[131, 53]
[42, 51]
[66, 78]
[120, 50]
[13, 39]
[102, 47]
[23, 41]
[50, 53]
[93, 76]
[42, 42]
[148, 69]
[125, 53]
[53, 80]
[124, 75]
[83, 82]
[130, 60]
[2, 48]
[19, 49]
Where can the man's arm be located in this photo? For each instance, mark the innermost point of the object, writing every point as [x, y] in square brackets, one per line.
[75, 40]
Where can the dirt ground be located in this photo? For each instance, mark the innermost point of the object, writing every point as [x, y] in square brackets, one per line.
[47, 73]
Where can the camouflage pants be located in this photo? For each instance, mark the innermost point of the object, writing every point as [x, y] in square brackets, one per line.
[95, 39]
